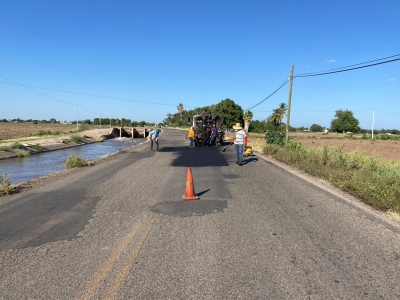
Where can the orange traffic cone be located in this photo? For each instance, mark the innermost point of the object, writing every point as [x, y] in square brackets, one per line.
[189, 192]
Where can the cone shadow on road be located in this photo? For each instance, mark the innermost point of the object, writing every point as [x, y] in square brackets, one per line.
[202, 193]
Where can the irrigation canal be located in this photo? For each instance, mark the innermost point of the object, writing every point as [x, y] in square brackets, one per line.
[22, 169]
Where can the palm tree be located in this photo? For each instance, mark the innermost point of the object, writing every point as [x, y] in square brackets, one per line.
[180, 109]
[278, 114]
[247, 116]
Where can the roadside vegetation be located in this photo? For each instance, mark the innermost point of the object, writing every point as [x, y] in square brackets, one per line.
[6, 188]
[76, 161]
[374, 180]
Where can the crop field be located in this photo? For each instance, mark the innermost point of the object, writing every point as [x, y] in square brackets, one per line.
[387, 149]
[19, 130]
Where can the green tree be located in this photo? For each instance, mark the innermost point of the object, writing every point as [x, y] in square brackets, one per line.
[248, 117]
[230, 112]
[344, 121]
[316, 128]
[276, 118]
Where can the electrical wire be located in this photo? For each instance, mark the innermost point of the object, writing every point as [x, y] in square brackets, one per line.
[91, 95]
[29, 89]
[326, 73]
[286, 81]
[367, 62]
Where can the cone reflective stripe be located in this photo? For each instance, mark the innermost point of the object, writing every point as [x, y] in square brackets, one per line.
[189, 191]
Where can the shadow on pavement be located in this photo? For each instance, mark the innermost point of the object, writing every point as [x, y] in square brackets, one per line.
[198, 156]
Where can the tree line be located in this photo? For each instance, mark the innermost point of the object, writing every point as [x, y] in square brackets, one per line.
[231, 113]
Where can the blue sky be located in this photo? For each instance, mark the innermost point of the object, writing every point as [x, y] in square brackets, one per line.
[157, 54]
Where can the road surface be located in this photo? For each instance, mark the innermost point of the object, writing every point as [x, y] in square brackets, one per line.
[120, 230]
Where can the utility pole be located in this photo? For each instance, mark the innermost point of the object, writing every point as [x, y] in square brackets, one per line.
[289, 105]
[100, 120]
[373, 119]
[77, 118]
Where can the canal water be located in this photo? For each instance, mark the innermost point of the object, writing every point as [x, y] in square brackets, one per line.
[22, 169]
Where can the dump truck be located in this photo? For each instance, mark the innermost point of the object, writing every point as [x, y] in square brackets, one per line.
[202, 128]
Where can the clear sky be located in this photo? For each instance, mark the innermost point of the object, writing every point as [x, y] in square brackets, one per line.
[157, 54]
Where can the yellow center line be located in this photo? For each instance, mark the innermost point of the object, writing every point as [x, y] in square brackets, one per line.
[115, 287]
[88, 292]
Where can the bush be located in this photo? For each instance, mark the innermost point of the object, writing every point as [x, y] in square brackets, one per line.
[17, 145]
[36, 147]
[76, 161]
[77, 139]
[4, 148]
[23, 153]
[271, 149]
[5, 185]
[275, 137]
[44, 132]
[294, 145]
[83, 127]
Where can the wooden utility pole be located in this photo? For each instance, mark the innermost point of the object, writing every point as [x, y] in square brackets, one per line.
[77, 118]
[289, 105]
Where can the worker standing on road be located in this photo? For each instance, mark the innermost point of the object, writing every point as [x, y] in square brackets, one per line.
[214, 133]
[191, 137]
[154, 138]
[240, 140]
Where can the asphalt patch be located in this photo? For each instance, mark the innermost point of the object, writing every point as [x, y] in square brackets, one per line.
[190, 208]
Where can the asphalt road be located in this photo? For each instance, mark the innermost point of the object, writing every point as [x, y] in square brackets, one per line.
[120, 230]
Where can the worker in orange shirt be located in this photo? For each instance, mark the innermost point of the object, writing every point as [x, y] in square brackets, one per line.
[191, 137]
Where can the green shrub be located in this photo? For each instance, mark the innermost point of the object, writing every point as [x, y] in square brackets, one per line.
[76, 161]
[4, 148]
[276, 137]
[385, 137]
[364, 137]
[294, 145]
[77, 138]
[100, 139]
[5, 185]
[83, 127]
[271, 149]
[23, 153]
[36, 147]
[395, 137]
[17, 145]
[44, 132]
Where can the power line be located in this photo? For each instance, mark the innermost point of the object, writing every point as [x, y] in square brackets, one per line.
[367, 62]
[91, 95]
[286, 81]
[326, 73]
[28, 89]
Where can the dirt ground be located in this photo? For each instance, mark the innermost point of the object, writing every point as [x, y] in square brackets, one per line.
[57, 139]
[386, 149]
